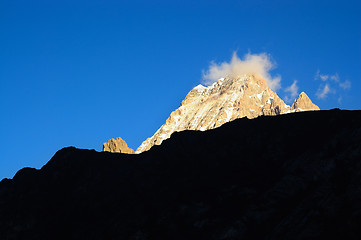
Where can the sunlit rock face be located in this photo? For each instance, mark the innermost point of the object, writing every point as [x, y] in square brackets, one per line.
[117, 145]
[303, 103]
[225, 100]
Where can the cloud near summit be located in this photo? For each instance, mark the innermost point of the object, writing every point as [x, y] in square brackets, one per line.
[251, 63]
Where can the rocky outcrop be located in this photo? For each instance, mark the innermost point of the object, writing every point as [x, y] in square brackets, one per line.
[292, 176]
[117, 145]
[303, 103]
[226, 100]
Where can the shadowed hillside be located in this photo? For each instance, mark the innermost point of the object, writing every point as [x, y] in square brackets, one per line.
[294, 176]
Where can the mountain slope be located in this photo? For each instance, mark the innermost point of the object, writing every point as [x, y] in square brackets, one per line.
[227, 99]
[293, 176]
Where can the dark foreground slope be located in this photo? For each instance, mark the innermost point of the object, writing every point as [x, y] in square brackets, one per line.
[295, 176]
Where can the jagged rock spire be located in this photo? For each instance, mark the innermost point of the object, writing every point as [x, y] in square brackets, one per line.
[303, 103]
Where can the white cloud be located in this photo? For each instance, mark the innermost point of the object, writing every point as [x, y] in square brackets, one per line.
[335, 77]
[322, 92]
[251, 63]
[332, 84]
[345, 85]
[292, 90]
[317, 74]
[324, 77]
[339, 100]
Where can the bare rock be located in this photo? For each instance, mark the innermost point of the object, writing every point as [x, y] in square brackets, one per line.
[117, 145]
[304, 103]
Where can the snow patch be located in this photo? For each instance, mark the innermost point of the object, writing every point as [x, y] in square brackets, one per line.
[270, 100]
[199, 86]
[200, 89]
[259, 95]
[229, 114]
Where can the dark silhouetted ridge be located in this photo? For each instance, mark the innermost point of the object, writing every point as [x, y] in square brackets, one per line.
[293, 176]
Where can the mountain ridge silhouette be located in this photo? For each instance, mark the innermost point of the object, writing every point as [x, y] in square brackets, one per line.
[292, 176]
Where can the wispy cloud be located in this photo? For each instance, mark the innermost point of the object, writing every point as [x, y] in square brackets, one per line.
[335, 78]
[330, 84]
[345, 85]
[322, 92]
[324, 77]
[292, 92]
[339, 100]
[317, 75]
[251, 63]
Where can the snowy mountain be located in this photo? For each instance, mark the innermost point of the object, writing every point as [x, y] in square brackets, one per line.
[225, 100]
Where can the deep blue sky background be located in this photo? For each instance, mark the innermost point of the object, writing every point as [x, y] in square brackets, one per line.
[76, 73]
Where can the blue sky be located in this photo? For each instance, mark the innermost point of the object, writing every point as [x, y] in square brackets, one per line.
[76, 73]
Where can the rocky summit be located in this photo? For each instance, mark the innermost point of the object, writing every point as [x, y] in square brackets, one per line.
[292, 176]
[227, 99]
[117, 145]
